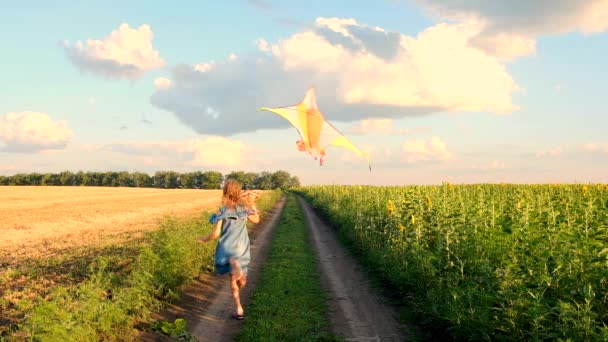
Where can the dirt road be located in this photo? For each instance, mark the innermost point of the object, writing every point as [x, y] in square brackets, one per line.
[357, 312]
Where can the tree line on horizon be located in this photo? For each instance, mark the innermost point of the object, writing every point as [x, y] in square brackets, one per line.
[161, 179]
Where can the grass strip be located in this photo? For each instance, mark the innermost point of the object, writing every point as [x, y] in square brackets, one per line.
[289, 303]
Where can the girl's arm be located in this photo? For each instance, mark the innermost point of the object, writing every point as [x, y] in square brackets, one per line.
[255, 217]
[215, 233]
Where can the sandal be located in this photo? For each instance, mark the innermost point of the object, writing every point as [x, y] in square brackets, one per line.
[237, 316]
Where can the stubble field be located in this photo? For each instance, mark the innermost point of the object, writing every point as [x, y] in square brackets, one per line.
[42, 221]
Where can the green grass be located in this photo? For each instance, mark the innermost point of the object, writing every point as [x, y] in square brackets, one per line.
[289, 303]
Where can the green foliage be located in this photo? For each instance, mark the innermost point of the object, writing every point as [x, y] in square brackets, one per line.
[82, 313]
[176, 329]
[160, 179]
[283, 180]
[263, 180]
[247, 179]
[486, 262]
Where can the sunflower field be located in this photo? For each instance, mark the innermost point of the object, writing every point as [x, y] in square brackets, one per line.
[484, 262]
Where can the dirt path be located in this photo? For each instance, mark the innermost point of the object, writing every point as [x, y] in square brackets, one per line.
[357, 312]
[207, 303]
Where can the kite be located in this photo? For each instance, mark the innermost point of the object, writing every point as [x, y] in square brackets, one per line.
[315, 132]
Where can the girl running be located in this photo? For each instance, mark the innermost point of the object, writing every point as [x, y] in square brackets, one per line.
[232, 252]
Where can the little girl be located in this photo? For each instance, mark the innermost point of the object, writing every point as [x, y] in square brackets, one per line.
[232, 251]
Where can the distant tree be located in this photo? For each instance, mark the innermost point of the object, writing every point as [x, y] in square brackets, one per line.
[93, 178]
[80, 178]
[172, 180]
[249, 180]
[125, 179]
[212, 180]
[67, 178]
[50, 179]
[238, 176]
[186, 180]
[142, 180]
[34, 178]
[281, 180]
[197, 180]
[263, 181]
[294, 181]
[161, 179]
[158, 180]
[109, 178]
[19, 179]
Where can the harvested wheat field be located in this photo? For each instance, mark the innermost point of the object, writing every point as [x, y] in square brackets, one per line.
[42, 221]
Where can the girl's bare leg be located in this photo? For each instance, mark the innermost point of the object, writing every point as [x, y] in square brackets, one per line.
[235, 268]
[236, 295]
[242, 281]
[237, 280]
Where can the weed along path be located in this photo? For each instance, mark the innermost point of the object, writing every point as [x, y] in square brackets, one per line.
[357, 313]
[207, 305]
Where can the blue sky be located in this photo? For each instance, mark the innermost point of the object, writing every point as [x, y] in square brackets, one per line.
[434, 90]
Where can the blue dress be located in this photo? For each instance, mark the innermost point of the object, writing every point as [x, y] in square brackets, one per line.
[234, 239]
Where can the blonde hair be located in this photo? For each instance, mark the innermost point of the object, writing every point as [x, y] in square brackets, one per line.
[231, 194]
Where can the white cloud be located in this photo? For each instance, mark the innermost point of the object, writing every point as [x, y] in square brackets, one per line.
[263, 45]
[338, 25]
[433, 149]
[218, 151]
[596, 147]
[437, 68]
[6, 168]
[209, 152]
[551, 152]
[125, 53]
[89, 148]
[493, 165]
[162, 83]
[382, 126]
[508, 29]
[32, 132]
[202, 67]
[360, 72]
[505, 46]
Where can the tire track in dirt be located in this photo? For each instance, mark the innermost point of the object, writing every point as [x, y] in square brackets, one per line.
[357, 313]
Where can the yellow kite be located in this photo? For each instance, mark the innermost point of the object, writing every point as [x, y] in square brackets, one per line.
[315, 131]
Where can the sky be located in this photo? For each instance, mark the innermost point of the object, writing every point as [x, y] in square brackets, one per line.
[460, 91]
